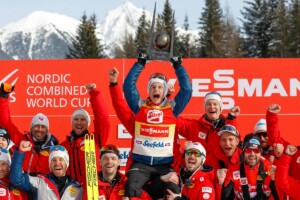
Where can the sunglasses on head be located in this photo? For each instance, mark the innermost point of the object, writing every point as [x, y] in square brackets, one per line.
[57, 148]
[264, 134]
[159, 75]
[249, 150]
[194, 152]
[3, 132]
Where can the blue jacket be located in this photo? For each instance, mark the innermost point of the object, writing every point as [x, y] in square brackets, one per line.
[39, 186]
[132, 95]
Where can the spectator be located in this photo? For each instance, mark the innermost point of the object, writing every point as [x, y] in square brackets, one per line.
[250, 179]
[39, 136]
[55, 185]
[80, 122]
[195, 180]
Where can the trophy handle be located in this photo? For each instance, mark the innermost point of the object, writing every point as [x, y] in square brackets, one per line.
[152, 31]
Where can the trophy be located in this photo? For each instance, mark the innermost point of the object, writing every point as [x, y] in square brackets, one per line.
[160, 45]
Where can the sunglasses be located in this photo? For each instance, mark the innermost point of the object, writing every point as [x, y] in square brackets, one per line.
[249, 150]
[159, 75]
[2, 131]
[264, 134]
[57, 148]
[196, 153]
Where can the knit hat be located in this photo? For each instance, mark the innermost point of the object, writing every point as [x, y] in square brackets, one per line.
[59, 151]
[228, 128]
[82, 112]
[40, 119]
[215, 96]
[158, 78]
[199, 147]
[109, 148]
[5, 156]
[4, 134]
[260, 126]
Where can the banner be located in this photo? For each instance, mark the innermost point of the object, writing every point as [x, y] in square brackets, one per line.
[57, 88]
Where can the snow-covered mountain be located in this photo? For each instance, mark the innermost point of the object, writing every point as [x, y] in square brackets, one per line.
[44, 35]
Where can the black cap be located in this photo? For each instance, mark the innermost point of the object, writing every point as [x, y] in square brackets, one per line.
[252, 140]
[4, 134]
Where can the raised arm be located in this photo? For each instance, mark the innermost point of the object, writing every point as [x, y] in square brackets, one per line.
[101, 114]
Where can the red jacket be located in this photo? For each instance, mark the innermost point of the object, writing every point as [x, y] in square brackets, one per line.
[9, 192]
[75, 147]
[127, 117]
[289, 185]
[201, 187]
[274, 137]
[35, 159]
[202, 131]
[116, 192]
[233, 176]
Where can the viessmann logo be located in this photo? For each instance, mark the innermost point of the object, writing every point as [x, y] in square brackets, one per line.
[154, 131]
[155, 116]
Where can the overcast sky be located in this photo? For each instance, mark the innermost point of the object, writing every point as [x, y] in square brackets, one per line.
[13, 10]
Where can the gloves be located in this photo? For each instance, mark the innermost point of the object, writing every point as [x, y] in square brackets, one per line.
[142, 59]
[5, 89]
[176, 61]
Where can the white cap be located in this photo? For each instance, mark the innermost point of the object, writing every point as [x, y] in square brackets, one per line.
[39, 119]
[215, 96]
[82, 112]
[199, 147]
[260, 126]
[5, 156]
[161, 81]
[58, 153]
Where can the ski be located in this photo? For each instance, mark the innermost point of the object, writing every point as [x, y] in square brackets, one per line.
[91, 167]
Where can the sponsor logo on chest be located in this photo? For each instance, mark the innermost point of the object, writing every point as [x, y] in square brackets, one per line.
[155, 116]
[154, 131]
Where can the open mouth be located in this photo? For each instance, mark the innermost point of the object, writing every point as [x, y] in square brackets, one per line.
[156, 96]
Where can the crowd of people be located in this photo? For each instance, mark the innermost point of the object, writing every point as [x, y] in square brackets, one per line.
[215, 162]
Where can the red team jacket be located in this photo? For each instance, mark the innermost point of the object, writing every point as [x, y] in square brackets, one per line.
[76, 147]
[9, 192]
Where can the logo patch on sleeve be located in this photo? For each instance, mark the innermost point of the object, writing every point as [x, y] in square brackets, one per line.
[207, 189]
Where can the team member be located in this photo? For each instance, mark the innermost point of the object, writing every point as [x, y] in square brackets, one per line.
[195, 178]
[153, 130]
[111, 181]
[55, 185]
[8, 191]
[5, 141]
[275, 137]
[205, 130]
[250, 179]
[80, 122]
[39, 135]
[286, 183]
[178, 104]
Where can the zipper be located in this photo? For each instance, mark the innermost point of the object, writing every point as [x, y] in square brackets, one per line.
[30, 161]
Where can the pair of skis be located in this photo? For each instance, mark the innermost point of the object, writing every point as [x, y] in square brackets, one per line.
[91, 167]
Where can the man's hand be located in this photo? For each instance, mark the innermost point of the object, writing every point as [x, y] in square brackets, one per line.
[274, 108]
[113, 75]
[290, 150]
[171, 195]
[25, 146]
[235, 111]
[89, 87]
[143, 58]
[170, 177]
[278, 149]
[6, 89]
[272, 172]
[171, 89]
[221, 174]
[176, 62]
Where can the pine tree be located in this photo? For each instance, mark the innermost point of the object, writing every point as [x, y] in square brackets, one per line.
[294, 34]
[86, 44]
[185, 45]
[211, 30]
[257, 28]
[142, 34]
[129, 47]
